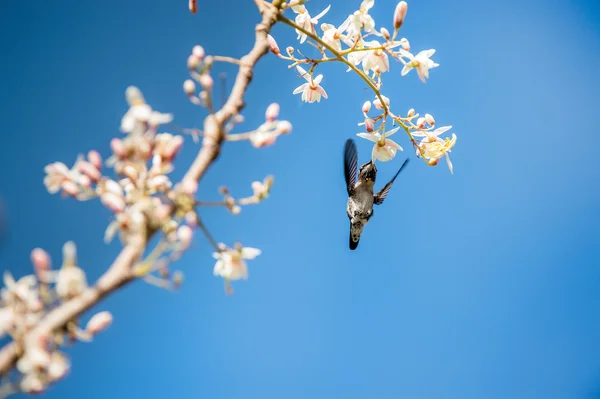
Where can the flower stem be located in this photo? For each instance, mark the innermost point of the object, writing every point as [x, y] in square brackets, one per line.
[340, 56]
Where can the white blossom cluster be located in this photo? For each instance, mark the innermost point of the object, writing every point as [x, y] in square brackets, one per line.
[23, 305]
[367, 50]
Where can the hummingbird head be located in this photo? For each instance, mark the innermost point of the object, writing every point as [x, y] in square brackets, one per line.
[368, 172]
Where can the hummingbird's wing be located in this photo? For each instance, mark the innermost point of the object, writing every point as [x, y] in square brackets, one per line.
[350, 164]
[380, 196]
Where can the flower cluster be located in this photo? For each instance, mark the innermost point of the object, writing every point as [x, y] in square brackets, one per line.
[367, 50]
[24, 303]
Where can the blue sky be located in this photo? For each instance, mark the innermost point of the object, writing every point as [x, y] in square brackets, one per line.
[481, 284]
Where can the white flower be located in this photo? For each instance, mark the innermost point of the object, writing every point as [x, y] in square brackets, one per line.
[231, 264]
[24, 290]
[375, 60]
[384, 148]
[70, 281]
[421, 61]
[332, 36]
[304, 20]
[377, 102]
[56, 174]
[140, 114]
[360, 20]
[434, 148]
[311, 90]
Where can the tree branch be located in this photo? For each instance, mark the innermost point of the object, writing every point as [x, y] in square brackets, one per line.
[120, 272]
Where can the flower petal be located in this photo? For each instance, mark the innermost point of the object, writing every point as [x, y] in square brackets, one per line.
[371, 137]
[303, 73]
[250, 253]
[315, 19]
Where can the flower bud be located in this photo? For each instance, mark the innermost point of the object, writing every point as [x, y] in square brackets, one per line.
[411, 112]
[117, 147]
[366, 107]
[189, 87]
[70, 188]
[184, 235]
[272, 112]
[172, 147]
[223, 190]
[284, 127]
[95, 159]
[193, 6]
[89, 170]
[289, 50]
[99, 322]
[378, 104]
[113, 202]
[404, 43]
[430, 119]
[41, 260]
[369, 125]
[198, 52]
[131, 172]
[113, 187]
[385, 33]
[273, 45]
[206, 81]
[134, 96]
[192, 62]
[421, 123]
[189, 186]
[399, 14]
[177, 279]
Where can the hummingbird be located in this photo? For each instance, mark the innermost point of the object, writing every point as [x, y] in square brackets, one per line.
[360, 193]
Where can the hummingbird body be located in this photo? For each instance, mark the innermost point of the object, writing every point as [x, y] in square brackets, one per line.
[361, 197]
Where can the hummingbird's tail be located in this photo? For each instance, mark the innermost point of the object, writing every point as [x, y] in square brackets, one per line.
[355, 232]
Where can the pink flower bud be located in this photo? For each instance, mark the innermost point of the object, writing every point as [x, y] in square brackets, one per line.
[404, 43]
[430, 119]
[369, 125]
[172, 147]
[70, 188]
[273, 45]
[192, 62]
[411, 112]
[420, 122]
[130, 172]
[189, 186]
[366, 107]
[89, 170]
[191, 219]
[198, 52]
[184, 235]
[378, 104]
[189, 87]
[284, 127]
[85, 181]
[289, 50]
[117, 147]
[206, 81]
[113, 202]
[41, 260]
[399, 14]
[193, 6]
[113, 187]
[385, 33]
[162, 212]
[272, 112]
[95, 159]
[99, 322]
